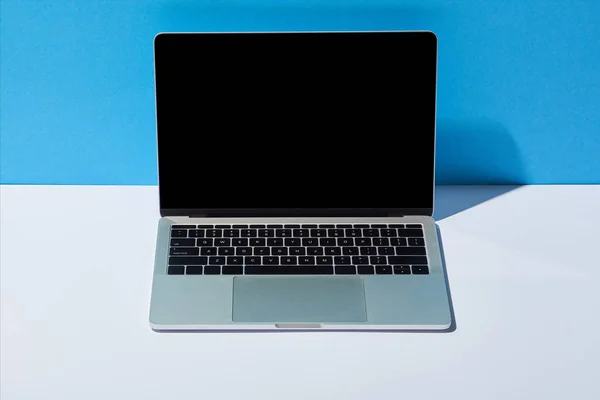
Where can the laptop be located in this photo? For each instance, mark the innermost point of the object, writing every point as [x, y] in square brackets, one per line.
[296, 181]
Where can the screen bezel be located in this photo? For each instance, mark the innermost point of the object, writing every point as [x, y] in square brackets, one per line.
[427, 210]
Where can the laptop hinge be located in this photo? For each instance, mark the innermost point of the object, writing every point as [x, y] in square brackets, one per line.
[295, 212]
[395, 215]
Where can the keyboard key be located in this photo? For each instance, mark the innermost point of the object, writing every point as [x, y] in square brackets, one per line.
[223, 226]
[358, 260]
[279, 251]
[216, 260]
[377, 260]
[309, 226]
[325, 242]
[344, 226]
[365, 269]
[257, 226]
[345, 242]
[361, 226]
[208, 251]
[418, 260]
[179, 233]
[341, 260]
[333, 251]
[335, 233]
[314, 251]
[258, 242]
[205, 242]
[175, 270]
[300, 233]
[317, 233]
[188, 260]
[410, 251]
[378, 226]
[416, 242]
[243, 251]
[353, 233]
[183, 226]
[292, 226]
[398, 241]
[350, 251]
[248, 233]
[283, 233]
[193, 270]
[289, 260]
[402, 269]
[270, 260]
[239, 226]
[274, 226]
[306, 260]
[231, 233]
[184, 251]
[262, 251]
[345, 270]
[272, 242]
[326, 226]
[297, 251]
[381, 242]
[290, 270]
[196, 233]
[420, 270]
[368, 251]
[418, 226]
[266, 233]
[292, 242]
[226, 251]
[325, 260]
[383, 269]
[410, 232]
[239, 242]
[212, 270]
[387, 251]
[235, 260]
[183, 242]
[388, 232]
[222, 242]
[214, 233]
[396, 225]
[306, 242]
[233, 270]
[371, 232]
[205, 226]
[252, 260]
[363, 242]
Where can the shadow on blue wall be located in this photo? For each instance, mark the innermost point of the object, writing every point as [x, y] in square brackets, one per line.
[477, 151]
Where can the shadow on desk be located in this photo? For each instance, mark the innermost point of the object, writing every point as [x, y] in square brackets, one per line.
[450, 200]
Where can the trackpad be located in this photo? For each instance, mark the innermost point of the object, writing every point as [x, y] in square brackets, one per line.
[298, 299]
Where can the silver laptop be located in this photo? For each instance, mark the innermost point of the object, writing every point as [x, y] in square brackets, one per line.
[296, 179]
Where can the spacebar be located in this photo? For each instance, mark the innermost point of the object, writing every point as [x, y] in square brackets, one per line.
[289, 270]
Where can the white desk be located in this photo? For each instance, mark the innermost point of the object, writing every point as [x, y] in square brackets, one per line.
[524, 273]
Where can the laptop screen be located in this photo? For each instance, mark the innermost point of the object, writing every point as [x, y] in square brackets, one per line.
[296, 120]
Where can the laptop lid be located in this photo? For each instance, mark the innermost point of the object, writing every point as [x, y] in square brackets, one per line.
[296, 124]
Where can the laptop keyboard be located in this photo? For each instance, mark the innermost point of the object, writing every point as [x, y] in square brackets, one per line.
[342, 249]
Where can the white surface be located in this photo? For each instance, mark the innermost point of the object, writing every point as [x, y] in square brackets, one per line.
[524, 271]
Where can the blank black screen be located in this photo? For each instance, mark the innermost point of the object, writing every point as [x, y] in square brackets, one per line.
[296, 120]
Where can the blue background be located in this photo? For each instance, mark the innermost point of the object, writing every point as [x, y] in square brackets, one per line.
[518, 99]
